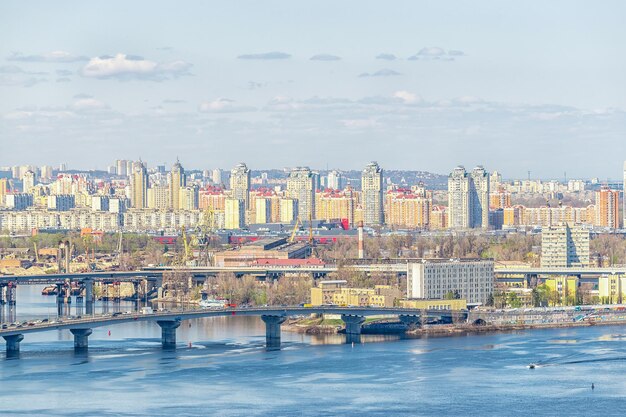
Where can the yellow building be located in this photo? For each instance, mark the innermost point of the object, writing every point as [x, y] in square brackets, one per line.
[434, 304]
[564, 289]
[288, 210]
[333, 205]
[406, 209]
[234, 214]
[612, 289]
[335, 292]
[3, 190]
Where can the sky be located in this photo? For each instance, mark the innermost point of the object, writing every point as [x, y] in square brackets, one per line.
[419, 85]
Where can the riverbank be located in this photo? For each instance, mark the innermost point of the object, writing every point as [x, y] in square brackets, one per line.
[334, 326]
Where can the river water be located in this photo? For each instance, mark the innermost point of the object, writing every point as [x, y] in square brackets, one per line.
[228, 372]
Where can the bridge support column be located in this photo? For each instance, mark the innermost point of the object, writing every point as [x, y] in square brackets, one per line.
[2, 287]
[88, 283]
[81, 338]
[272, 331]
[168, 333]
[353, 327]
[13, 344]
[11, 293]
[410, 321]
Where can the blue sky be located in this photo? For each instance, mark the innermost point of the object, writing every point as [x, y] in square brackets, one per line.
[423, 85]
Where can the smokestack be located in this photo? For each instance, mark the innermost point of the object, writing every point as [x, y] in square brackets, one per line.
[361, 246]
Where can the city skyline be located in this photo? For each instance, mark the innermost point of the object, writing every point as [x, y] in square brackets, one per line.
[431, 85]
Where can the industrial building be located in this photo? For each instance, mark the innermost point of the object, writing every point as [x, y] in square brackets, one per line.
[272, 248]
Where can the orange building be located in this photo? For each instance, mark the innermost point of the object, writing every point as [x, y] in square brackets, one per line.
[607, 208]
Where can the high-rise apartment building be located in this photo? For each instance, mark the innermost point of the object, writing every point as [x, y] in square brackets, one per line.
[288, 210]
[178, 180]
[234, 213]
[61, 202]
[3, 191]
[607, 208]
[564, 246]
[46, 172]
[216, 176]
[334, 180]
[300, 185]
[263, 210]
[120, 167]
[240, 183]
[468, 198]
[159, 197]
[189, 198]
[139, 186]
[372, 194]
[28, 181]
[479, 198]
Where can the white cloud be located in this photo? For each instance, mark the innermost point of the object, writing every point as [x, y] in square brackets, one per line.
[385, 72]
[436, 53]
[89, 104]
[223, 105]
[123, 66]
[386, 57]
[360, 123]
[54, 56]
[325, 57]
[266, 56]
[407, 97]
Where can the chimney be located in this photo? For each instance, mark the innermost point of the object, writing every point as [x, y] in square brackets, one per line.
[361, 246]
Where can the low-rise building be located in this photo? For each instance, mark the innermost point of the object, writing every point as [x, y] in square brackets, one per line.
[336, 292]
[455, 304]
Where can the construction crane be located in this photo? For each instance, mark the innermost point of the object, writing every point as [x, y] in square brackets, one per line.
[296, 226]
[36, 251]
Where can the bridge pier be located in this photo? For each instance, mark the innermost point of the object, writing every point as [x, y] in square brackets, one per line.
[272, 331]
[353, 327]
[81, 338]
[13, 344]
[88, 283]
[11, 293]
[168, 333]
[410, 320]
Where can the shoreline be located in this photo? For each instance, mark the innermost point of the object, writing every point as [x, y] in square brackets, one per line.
[446, 329]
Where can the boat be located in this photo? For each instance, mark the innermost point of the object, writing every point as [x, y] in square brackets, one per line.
[532, 366]
[211, 303]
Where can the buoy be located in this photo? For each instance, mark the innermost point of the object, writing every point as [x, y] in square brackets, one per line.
[593, 386]
[109, 332]
[189, 345]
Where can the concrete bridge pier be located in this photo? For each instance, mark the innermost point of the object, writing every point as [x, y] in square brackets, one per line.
[168, 333]
[11, 293]
[353, 327]
[88, 284]
[410, 321]
[2, 289]
[13, 344]
[272, 331]
[81, 338]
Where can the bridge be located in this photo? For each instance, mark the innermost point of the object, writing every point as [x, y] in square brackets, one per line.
[169, 321]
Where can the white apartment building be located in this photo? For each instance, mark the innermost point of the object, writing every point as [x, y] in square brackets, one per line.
[472, 279]
[564, 246]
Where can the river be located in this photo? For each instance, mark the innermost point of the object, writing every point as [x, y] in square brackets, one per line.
[228, 372]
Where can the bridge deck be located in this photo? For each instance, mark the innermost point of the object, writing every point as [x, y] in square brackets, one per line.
[107, 320]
